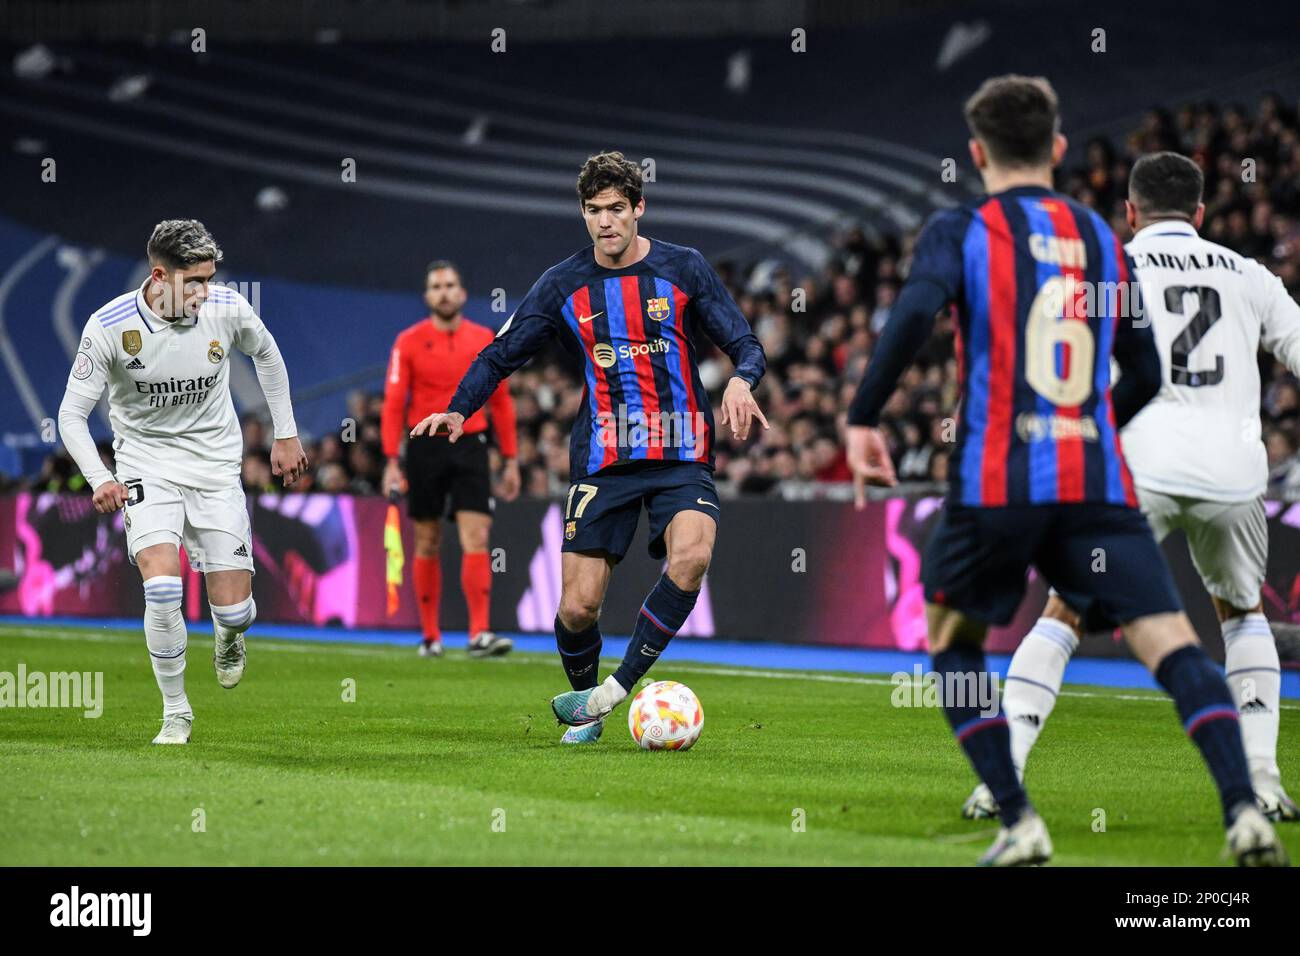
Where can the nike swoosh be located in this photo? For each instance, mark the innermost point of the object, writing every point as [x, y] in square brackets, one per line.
[588, 318]
[701, 501]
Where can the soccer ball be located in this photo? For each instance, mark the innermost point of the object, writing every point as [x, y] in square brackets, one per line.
[666, 715]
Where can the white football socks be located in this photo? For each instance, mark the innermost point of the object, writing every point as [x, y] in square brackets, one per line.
[1255, 678]
[608, 695]
[231, 620]
[1033, 681]
[165, 634]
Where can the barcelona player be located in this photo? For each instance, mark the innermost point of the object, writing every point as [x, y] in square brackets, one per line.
[629, 307]
[1045, 297]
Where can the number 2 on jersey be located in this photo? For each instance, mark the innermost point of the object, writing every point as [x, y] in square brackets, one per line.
[1207, 313]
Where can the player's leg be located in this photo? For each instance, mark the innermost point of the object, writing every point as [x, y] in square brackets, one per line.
[1037, 668]
[1108, 567]
[584, 580]
[600, 519]
[1033, 681]
[1229, 546]
[166, 636]
[683, 509]
[471, 501]
[1167, 645]
[230, 598]
[974, 574]
[154, 520]
[219, 542]
[688, 543]
[426, 501]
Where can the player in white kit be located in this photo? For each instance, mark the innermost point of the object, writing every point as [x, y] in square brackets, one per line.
[163, 352]
[1197, 460]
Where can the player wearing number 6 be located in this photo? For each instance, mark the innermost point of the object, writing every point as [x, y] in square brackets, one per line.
[1197, 460]
[630, 308]
[163, 352]
[1045, 298]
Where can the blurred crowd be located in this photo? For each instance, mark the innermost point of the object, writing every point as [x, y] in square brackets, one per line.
[819, 330]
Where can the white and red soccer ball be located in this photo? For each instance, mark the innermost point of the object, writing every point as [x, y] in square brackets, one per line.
[666, 715]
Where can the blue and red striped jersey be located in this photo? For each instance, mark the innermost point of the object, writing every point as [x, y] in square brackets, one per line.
[1045, 295]
[633, 329]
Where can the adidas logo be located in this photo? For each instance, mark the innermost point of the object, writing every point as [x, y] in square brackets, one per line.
[241, 551]
[1254, 706]
[135, 363]
[1029, 719]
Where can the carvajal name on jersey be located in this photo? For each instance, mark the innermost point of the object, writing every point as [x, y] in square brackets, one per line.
[1171, 260]
[177, 391]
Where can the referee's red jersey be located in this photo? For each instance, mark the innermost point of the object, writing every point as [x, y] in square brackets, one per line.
[426, 366]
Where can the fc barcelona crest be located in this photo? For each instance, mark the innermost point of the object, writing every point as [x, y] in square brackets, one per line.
[657, 309]
[215, 352]
[570, 529]
[131, 342]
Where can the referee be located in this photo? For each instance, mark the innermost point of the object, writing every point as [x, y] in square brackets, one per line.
[442, 479]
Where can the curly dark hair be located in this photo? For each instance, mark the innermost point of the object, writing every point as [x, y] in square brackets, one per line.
[610, 169]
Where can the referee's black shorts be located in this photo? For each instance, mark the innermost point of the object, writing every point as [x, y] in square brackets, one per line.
[443, 478]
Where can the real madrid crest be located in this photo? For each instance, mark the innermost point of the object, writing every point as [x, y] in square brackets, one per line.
[131, 342]
[215, 352]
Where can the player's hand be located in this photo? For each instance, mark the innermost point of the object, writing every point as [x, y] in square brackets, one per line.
[510, 481]
[453, 421]
[110, 496]
[869, 460]
[394, 480]
[739, 408]
[288, 459]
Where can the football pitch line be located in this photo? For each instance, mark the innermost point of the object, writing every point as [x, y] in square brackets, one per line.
[534, 659]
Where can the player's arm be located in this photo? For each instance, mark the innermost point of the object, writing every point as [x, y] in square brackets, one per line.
[86, 383]
[397, 391]
[523, 336]
[501, 409]
[1280, 319]
[256, 341]
[1137, 357]
[933, 282]
[727, 328]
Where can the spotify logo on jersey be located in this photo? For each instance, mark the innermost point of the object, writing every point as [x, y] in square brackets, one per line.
[605, 355]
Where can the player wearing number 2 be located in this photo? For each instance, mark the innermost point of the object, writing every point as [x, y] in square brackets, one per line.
[163, 353]
[1197, 460]
[1044, 300]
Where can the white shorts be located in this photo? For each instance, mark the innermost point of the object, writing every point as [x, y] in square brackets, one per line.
[212, 526]
[1228, 541]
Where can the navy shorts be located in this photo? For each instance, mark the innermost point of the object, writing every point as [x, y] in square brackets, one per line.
[1102, 559]
[602, 510]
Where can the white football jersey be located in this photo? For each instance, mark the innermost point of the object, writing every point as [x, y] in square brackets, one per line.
[169, 385]
[1210, 310]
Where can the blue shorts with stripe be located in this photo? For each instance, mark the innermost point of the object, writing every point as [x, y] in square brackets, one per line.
[601, 511]
[1102, 559]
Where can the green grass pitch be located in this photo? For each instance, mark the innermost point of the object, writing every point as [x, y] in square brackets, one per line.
[455, 761]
